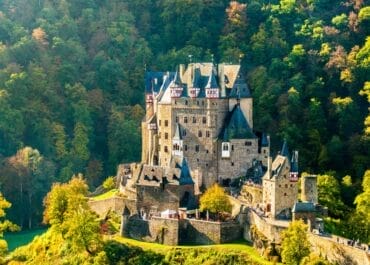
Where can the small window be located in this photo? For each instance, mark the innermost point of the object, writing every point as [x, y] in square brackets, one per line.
[204, 120]
[185, 147]
[166, 123]
[183, 132]
[197, 148]
[160, 122]
[232, 164]
[200, 134]
[291, 185]
[225, 147]
[206, 164]
[166, 136]
[177, 119]
[285, 194]
[232, 147]
[208, 134]
[186, 102]
[194, 120]
[286, 185]
[264, 151]
[202, 102]
[248, 143]
[185, 119]
[207, 151]
[166, 149]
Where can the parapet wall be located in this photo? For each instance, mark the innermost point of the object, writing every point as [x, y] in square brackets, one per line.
[270, 228]
[115, 204]
[338, 252]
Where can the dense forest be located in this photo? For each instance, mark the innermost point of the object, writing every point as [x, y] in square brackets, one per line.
[71, 84]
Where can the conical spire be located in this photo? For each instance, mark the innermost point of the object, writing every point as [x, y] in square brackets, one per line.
[285, 149]
[185, 177]
[212, 83]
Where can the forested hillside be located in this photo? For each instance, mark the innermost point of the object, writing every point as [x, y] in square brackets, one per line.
[71, 82]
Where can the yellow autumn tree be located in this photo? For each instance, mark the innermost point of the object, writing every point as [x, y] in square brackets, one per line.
[215, 200]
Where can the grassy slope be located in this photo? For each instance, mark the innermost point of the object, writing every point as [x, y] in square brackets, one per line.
[18, 239]
[238, 247]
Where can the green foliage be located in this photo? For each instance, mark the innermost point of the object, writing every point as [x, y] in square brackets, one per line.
[329, 194]
[109, 183]
[295, 245]
[215, 200]
[5, 225]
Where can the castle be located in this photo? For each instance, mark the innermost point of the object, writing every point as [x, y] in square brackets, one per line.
[197, 131]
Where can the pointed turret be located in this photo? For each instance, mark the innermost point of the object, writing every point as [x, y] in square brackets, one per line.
[177, 142]
[185, 177]
[294, 167]
[212, 89]
[284, 149]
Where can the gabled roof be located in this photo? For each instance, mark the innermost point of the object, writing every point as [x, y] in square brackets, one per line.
[303, 207]
[185, 177]
[236, 126]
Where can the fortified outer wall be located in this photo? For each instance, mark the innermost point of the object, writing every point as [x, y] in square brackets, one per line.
[173, 232]
[206, 232]
[338, 252]
[270, 228]
[115, 204]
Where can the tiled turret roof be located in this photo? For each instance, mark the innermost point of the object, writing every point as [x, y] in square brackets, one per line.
[185, 177]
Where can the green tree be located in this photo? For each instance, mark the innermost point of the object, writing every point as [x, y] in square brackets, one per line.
[329, 194]
[68, 213]
[5, 225]
[295, 245]
[215, 200]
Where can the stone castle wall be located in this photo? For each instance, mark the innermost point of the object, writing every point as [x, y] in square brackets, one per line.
[270, 228]
[115, 204]
[206, 232]
[337, 251]
[174, 232]
[242, 154]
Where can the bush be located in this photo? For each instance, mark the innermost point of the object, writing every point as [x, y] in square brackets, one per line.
[109, 183]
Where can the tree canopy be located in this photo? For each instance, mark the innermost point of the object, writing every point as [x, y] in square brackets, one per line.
[215, 200]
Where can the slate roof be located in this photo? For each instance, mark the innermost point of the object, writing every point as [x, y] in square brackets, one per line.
[212, 82]
[264, 140]
[240, 89]
[153, 81]
[236, 126]
[294, 162]
[284, 149]
[185, 177]
[303, 207]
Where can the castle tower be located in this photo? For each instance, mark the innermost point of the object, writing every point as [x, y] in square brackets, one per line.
[309, 189]
[279, 192]
[265, 149]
